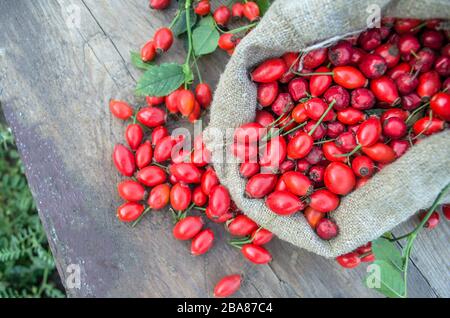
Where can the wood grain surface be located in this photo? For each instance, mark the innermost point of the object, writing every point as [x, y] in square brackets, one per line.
[56, 78]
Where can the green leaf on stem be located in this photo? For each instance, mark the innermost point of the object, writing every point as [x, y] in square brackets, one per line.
[205, 39]
[386, 279]
[180, 25]
[263, 6]
[161, 80]
[387, 251]
[136, 60]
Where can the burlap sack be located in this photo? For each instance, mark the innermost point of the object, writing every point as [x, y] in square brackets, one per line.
[391, 196]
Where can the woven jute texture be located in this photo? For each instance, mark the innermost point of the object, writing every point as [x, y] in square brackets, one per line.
[391, 196]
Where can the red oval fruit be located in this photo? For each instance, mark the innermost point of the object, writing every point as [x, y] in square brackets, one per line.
[363, 166]
[327, 229]
[394, 128]
[202, 8]
[151, 117]
[324, 201]
[186, 172]
[120, 109]
[159, 4]
[428, 126]
[180, 196]
[219, 200]
[202, 242]
[369, 132]
[159, 196]
[348, 77]
[209, 180]
[274, 153]
[269, 71]
[130, 211]
[144, 155]
[284, 203]
[124, 160]
[350, 116]
[198, 197]
[261, 236]
[380, 153]
[297, 183]
[241, 225]
[222, 15]
[319, 83]
[186, 102]
[134, 135]
[151, 176]
[227, 286]
[429, 84]
[248, 169]
[349, 260]
[260, 185]
[131, 191]
[313, 216]
[187, 228]
[333, 153]
[267, 93]
[251, 11]
[440, 104]
[300, 146]
[203, 94]
[159, 133]
[163, 39]
[385, 90]
[148, 51]
[373, 66]
[339, 178]
[256, 254]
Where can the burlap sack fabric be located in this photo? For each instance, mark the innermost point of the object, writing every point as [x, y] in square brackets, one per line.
[391, 196]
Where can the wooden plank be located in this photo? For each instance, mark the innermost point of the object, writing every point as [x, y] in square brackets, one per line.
[55, 100]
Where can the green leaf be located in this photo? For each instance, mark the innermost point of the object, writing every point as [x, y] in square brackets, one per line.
[263, 6]
[386, 279]
[180, 26]
[205, 39]
[208, 21]
[160, 80]
[387, 251]
[136, 60]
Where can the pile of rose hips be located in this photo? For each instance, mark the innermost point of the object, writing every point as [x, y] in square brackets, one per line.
[330, 118]
[161, 172]
[322, 131]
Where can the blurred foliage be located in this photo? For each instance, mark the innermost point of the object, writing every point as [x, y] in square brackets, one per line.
[27, 268]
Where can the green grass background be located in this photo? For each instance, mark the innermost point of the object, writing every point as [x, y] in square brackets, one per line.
[27, 268]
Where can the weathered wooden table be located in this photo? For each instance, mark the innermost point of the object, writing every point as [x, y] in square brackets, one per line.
[57, 76]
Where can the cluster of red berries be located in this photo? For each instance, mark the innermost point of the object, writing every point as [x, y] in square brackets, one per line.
[351, 109]
[163, 171]
[223, 15]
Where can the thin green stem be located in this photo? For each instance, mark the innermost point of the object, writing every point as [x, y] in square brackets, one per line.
[293, 129]
[351, 153]
[44, 282]
[243, 28]
[187, 6]
[200, 79]
[312, 74]
[416, 111]
[175, 19]
[141, 217]
[322, 117]
[323, 141]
